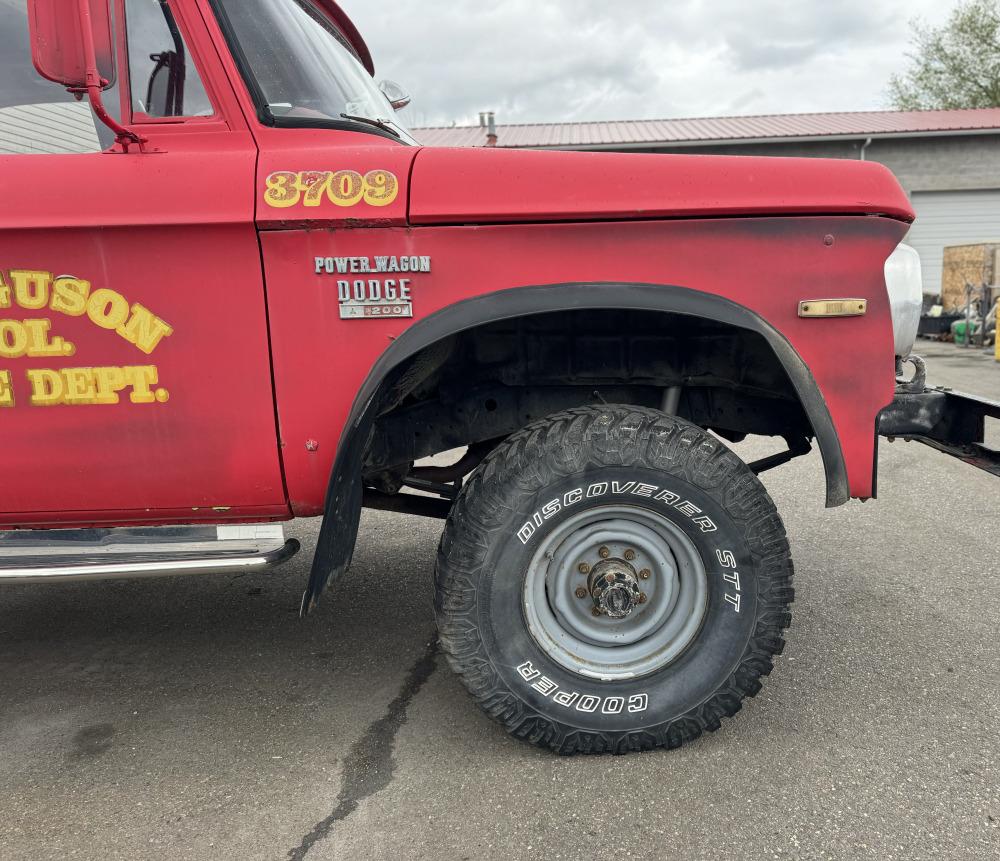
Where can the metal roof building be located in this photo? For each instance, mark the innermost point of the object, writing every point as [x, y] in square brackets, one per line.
[773, 128]
[948, 161]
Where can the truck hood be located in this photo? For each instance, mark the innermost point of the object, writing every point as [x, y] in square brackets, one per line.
[490, 186]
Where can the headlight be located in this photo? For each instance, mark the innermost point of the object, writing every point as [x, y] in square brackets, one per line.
[906, 296]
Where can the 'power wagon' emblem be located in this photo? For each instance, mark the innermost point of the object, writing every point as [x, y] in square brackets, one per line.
[361, 297]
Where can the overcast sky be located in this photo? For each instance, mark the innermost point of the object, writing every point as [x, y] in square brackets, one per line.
[558, 60]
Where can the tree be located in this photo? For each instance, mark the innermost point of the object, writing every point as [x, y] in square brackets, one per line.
[956, 65]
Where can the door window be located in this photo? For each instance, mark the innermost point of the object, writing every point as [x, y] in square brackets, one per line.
[164, 80]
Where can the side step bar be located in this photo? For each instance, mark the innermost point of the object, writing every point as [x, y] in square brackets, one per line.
[62, 555]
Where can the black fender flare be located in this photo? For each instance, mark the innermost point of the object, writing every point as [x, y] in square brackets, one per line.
[342, 512]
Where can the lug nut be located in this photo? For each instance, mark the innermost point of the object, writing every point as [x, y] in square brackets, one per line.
[596, 611]
[645, 574]
[581, 592]
[583, 568]
[642, 597]
[629, 555]
[604, 553]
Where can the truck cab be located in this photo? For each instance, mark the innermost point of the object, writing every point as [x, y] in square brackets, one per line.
[259, 298]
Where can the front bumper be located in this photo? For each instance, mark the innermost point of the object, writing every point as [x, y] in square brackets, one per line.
[951, 422]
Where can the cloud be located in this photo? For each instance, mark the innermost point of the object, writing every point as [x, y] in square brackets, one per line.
[557, 60]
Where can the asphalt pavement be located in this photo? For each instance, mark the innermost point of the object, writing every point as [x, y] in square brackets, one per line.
[200, 718]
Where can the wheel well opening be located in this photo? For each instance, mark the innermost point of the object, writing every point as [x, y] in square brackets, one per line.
[475, 387]
[701, 356]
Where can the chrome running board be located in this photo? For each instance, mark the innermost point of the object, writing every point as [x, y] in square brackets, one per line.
[62, 555]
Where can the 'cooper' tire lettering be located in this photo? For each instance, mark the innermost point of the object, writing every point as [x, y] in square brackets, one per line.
[612, 705]
[638, 703]
[589, 702]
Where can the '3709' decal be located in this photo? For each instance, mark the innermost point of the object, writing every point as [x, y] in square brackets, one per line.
[341, 188]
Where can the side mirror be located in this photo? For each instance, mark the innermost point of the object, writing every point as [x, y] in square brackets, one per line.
[57, 38]
[397, 97]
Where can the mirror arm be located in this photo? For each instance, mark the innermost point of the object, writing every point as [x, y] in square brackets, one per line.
[95, 83]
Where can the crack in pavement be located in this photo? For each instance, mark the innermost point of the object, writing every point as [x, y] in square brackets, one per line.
[370, 763]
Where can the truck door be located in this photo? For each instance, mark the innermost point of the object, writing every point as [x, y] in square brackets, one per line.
[135, 377]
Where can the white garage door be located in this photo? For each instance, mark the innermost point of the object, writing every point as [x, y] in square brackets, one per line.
[951, 218]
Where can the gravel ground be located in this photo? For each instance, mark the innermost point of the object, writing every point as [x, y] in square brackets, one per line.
[201, 719]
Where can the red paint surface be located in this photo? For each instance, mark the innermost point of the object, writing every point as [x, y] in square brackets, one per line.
[768, 265]
[174, 229]
[456, 186]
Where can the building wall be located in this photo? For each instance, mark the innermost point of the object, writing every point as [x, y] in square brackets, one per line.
[61, 127]
[945, 163]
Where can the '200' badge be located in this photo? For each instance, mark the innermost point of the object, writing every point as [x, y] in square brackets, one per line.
[341, 188]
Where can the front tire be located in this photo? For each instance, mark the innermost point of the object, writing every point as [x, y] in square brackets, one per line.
[612, 579]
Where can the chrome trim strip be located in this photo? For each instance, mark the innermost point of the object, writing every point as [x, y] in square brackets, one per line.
[208, 564]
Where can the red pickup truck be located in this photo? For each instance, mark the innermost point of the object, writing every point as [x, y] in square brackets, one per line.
[264, 300]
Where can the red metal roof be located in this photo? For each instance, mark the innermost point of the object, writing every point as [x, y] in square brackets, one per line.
[704, 130]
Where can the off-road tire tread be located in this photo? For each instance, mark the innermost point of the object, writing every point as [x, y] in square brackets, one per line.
[567, 443]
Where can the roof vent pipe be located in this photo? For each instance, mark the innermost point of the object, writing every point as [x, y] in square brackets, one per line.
[491, 129]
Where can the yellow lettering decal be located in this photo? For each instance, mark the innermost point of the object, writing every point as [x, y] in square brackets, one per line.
[343, 188]
[141, 378]
[6, 390]
[31, 338]
[109, 382]
[13, 339]
[46, 387]
[381, 187]
[107, 308]
[144, 329]
[69, 296]
[39, 344]
[78, 386]
[282, 189]
[313, 183]
[31, 288]
[346, 188]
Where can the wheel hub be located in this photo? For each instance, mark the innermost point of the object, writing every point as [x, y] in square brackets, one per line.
[614, 586]
[615, 591]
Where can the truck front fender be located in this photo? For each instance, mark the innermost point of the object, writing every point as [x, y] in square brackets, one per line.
[342, 510]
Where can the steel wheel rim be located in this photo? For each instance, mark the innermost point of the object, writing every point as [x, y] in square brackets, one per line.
[655, 632]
